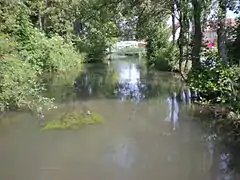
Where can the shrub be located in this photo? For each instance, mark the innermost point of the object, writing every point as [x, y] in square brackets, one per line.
[44, 53]
[216, 82]
[26, 55]
[94, 47]
[19, 87]
[62, 56]
[47, 54]
[161, 54]
[234, 44]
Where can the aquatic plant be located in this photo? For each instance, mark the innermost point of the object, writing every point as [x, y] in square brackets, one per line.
[72, 119]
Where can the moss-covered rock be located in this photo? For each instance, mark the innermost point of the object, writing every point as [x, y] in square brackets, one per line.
[72, 119]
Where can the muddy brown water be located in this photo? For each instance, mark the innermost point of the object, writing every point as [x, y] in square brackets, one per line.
[148, 134]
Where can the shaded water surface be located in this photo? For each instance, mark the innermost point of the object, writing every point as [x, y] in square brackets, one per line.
[150, 132]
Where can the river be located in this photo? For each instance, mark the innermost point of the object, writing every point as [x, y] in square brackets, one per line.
[150, 132]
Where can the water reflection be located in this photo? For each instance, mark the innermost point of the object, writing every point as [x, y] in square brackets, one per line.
[129, 84]
[169, 103]
[122, 80]
[124, 154]
[175, 112]
[183, 96]
[189, 97]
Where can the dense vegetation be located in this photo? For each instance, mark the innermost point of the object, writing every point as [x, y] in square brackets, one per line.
[215, 73]
[26, 53]
[212, 72]
[47, 36]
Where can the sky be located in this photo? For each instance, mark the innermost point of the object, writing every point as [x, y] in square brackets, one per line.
[230, 14]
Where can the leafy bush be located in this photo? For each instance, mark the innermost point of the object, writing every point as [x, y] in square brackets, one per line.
[26, 56]
[160, 53]
[19, 85]
[50, 54]
[61, 55]
[7, 45]
[34, 50]
[45, 54]
[95, 40]
[234, 44]
[95, 49]
[217, 83]
[209, 58]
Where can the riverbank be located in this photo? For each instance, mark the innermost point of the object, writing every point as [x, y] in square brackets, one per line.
[223, 123]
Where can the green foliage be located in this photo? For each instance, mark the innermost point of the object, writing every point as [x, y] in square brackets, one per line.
[234, 44]
[45, 54]
[26, 54]
[61, 55]
[18, 85]
[161, 54]
[96, 39]
[94, 48]
[217, 83]
[7, 45]
[89, 24]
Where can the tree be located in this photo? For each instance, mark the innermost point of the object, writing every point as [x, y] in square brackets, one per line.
[221, 30]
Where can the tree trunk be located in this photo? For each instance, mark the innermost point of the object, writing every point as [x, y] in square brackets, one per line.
[221, 31]
[181, 36]
[206, 11]
[183, 12]
[173, 22]
[40, 21]
[186, 68]
[197, 36]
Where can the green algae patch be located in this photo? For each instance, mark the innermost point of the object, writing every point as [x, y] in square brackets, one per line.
[72, 120]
